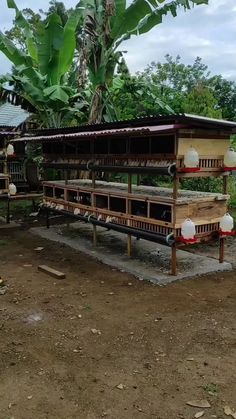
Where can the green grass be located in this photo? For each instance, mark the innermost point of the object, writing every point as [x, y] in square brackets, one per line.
[17, 209]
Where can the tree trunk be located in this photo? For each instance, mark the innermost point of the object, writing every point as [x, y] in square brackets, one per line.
[95, 115]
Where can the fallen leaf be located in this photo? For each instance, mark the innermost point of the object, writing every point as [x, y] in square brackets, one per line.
[120, 386]
[204, 404]
[229, 412]
[39, 249]
[199, 414]
[29, 397]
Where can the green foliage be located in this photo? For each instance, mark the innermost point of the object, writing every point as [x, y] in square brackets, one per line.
[106, 25]
[40, 78]
[203, 184]
[201, 101]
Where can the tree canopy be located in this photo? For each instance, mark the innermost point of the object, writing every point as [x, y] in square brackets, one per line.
[60, 56]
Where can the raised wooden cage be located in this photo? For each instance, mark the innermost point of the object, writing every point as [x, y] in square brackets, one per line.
[177, 146]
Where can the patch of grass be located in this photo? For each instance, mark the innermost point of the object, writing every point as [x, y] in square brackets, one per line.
[3, 243]
[87, 307]
[211, 388]
[18, 209]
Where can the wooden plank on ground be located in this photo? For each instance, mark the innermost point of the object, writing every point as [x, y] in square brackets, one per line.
[52, 272]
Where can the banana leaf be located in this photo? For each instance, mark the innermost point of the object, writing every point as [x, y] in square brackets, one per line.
[50, 41]
[69, 42]
[15, 55]
[22, 23]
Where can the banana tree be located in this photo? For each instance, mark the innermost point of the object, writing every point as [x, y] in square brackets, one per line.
[39, 81]
[107, 23]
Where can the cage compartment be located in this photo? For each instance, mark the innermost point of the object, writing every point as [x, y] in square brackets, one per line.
[117, 204]
[139, 208]
[84, 198]
[101, 201]
[161, 212]
[59, 193]
[48, 191]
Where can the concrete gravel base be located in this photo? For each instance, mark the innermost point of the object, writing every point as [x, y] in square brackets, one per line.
[149, 261]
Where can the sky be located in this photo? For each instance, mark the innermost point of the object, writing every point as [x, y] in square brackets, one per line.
[205, 31]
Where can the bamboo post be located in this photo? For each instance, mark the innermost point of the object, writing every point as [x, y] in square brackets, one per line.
[222, 250]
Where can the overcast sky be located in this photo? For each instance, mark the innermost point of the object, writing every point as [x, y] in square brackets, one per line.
[206, 31]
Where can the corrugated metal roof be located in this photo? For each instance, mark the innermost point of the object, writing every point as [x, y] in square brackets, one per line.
[105, 132]
[193, 121]
[12, 116]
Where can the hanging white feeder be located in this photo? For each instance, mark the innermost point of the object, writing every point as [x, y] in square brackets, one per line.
[188, 231]
[230, 159]
[191, 160]
[227, 225]
[10, 150]
[12, 189]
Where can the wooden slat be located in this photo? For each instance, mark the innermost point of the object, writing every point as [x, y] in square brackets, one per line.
[52, 272]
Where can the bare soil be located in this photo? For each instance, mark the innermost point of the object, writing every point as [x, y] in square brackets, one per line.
[67, 344]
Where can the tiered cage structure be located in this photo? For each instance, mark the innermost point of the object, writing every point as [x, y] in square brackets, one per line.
[175, 146]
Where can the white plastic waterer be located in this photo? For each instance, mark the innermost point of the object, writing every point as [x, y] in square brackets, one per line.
[10, 150]
[12, 189]
[230, 158]
[226, 224]
[191, 159]
[188, 230]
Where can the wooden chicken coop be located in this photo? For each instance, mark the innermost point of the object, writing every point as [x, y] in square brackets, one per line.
[175, 146]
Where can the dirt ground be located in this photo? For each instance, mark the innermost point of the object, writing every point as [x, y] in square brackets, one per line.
[67, 344]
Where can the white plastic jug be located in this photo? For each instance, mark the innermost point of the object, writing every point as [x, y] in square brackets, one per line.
[188, 230]
[10, 150]
[191, 158]
[226, 223]
[12, 189]
[230, 158]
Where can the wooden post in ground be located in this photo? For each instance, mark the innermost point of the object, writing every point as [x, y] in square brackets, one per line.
[93, 204]
[173, 248]
[175, 188]
[129, 238]
[47, 218]
[8, 210]
[225, 185]
[222, 250]
[66, 177]
[173, 260]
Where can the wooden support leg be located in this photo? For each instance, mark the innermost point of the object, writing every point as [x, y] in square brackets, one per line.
[225, 184]
[129, 245]
[33, 205]
[8, 211]
[222, 250]
[94, 235]
[47, 218]
[173, 260]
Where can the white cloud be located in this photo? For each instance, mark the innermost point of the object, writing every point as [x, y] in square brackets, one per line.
[206, 31]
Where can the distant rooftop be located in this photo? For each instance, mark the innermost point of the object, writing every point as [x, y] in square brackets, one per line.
[12, 116]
